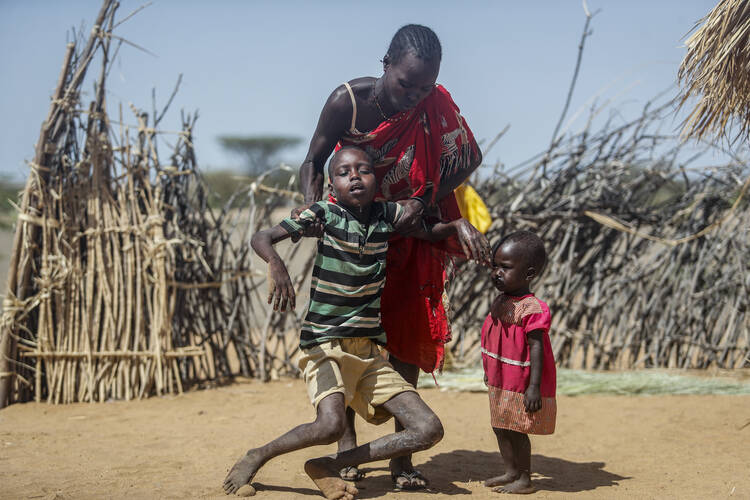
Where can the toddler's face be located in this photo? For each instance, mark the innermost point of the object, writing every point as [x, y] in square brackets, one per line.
[509, 269]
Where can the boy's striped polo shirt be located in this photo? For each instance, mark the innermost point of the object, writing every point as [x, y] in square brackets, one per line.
[349, 271]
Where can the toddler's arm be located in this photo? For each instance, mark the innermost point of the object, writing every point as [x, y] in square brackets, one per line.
[532, 399]
[280, 289]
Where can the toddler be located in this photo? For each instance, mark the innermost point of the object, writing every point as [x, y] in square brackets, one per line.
[517, 359]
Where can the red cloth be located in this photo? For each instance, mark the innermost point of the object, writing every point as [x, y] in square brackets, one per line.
[412, 151]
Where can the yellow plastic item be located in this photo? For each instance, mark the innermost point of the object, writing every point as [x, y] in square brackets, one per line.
[473, 208]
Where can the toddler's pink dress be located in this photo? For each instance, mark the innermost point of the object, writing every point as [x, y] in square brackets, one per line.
[505, 358]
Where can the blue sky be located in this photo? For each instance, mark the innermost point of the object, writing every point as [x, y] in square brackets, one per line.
[266, 67]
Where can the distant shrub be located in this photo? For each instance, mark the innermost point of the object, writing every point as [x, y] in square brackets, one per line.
[223, 184]
[9, 193]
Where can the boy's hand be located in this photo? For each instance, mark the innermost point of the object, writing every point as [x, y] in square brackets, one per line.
[532, 399]
[280, 289]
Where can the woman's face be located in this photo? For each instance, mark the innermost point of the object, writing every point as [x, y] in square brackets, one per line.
[409, 81]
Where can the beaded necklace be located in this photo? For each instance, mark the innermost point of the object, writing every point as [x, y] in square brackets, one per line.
[377, 103]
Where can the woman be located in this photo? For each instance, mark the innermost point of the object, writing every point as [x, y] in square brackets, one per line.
[422, 150]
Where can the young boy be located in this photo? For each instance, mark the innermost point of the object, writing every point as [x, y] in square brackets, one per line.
[340, 362]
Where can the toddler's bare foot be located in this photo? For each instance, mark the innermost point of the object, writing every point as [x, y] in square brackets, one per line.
[327, 479]
[242, 472]
[506, 478]
[521, 486]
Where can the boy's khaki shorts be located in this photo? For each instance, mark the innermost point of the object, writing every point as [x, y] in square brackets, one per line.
[355, 368]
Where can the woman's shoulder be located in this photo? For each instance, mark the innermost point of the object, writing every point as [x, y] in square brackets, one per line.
[341, 98]
[441, 98]
[440, 92]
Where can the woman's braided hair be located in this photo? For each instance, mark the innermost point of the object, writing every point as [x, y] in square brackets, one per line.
[415, 38]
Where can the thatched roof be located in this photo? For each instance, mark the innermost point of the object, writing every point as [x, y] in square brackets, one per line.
[716, 71]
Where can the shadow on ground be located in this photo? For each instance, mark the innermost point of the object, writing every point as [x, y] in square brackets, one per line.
[463, 466]
[377, 482]
[549, 473]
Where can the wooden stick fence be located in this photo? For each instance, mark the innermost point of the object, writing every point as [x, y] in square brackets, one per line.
[124, 282]
[648, 262]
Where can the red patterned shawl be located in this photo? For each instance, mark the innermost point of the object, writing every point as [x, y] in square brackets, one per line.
[412, 151]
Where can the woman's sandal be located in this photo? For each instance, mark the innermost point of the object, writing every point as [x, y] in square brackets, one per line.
[409, 484]
[351, 473]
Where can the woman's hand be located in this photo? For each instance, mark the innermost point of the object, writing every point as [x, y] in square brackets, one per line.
[411, 220]
[475, 244]
[314, 230]
[280, 288]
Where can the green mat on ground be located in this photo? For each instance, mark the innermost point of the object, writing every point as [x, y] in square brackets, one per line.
[578, 382]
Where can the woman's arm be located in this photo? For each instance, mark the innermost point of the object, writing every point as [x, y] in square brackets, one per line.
[473, 248]
[332, 123]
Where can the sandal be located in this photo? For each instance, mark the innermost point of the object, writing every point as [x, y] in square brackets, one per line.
[409, 484]
[351, 473]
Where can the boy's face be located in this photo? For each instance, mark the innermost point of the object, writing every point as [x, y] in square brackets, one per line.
[353, 178]
[510, 273]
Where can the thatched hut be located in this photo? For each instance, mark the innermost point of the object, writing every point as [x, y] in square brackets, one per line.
[716, 70]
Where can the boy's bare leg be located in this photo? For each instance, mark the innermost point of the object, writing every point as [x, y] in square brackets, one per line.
[326, 429]
[347, 442]
[422, 430]
[402, 469]
[521, 463]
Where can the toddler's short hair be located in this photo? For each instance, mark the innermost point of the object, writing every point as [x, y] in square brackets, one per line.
[533, 245]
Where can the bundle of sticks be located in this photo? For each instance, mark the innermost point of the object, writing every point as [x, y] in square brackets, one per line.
[123, 281]
[648, 257]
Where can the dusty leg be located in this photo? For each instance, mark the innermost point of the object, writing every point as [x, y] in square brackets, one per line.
[422, 430]
[326, 429]
[510, 468]
[347, 442]
[522, 456]
[404, 475]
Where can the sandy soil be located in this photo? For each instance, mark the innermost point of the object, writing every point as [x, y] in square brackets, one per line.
[182, 447]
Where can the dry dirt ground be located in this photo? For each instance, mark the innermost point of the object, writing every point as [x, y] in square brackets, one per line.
[182, 446]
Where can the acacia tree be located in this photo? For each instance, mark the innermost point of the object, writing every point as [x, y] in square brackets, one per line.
[259, 152]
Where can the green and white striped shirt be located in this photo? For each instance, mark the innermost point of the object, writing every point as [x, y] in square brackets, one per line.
[349, 271]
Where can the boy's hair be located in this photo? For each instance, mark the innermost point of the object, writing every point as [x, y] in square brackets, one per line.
[415, 38]
[344, 148]
[536, 255]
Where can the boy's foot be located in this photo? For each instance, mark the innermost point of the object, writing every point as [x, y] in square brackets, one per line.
[521, 486]
[242, 472]
[405, 476]
[413, 480]
[328, 481]
[351, 473]
[506, 478]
